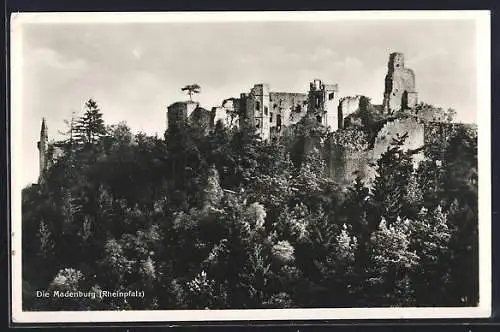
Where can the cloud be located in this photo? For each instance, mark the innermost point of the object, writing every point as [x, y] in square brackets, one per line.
[323, 54]
[137, 53]
[52, 59]
[135, 70]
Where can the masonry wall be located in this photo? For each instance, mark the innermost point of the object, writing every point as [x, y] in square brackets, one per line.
[176, 114]
[348, 154]
[344, 165]
[202, 119]
[322, 103]
[415, 139]
[347, 106]
[286, 108]
[257, 109]
[228, 113]
[399, 85]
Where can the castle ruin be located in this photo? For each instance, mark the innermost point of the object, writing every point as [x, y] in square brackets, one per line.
[400, 90]
[349, 151]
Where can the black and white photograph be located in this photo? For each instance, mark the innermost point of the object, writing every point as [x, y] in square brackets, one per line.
[250, 166]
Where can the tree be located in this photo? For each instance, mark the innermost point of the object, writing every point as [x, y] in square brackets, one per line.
[191, 89]
[228, 221]
[90, 127]
[69, 143]
[394, 169]
[390, 264]
[430, 239]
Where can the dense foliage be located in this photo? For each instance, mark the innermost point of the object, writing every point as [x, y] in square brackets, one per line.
[229, 221]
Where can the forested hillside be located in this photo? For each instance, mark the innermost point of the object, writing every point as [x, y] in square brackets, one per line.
[228, 221]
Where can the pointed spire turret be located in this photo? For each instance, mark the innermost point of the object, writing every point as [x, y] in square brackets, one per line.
[43, 130]
[42, 149]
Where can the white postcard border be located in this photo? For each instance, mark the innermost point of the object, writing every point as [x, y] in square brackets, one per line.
[483, 310]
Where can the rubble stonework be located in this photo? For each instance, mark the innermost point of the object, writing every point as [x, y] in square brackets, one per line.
[400, 90]
[410, 126]
[179, 112]
[347, 106]
[270, 112]
[202, 119]
[321, 103]
[228, 113]
[351, 156]
[287, 108]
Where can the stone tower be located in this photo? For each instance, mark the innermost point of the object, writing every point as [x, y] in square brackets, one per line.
[400, 90]
[178, 113]
[256, 104]
[321, 103]
[42, 150]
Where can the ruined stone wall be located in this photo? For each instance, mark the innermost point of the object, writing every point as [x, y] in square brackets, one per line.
[202, 119]
[399, 85]
[228, 113]
[322, 102]
[257, 112]
[180, 112]
[345, 165]
[290, 106]
[176, 114]
[347, 156]
[270, 112]
[347, 106]
[245, 118]
[391, 130]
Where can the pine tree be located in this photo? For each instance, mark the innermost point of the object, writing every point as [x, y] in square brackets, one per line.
[90, 127]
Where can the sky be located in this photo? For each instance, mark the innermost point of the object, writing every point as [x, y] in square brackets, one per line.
[135, 70]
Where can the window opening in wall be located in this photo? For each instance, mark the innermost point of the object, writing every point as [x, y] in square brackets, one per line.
[317, 101]
[331, 96]
[266, 110]
[404, 100]
[271, 120]
[318, 118]
[278, 122]
[257, 105]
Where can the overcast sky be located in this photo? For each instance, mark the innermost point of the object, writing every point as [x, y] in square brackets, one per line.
[134, 71]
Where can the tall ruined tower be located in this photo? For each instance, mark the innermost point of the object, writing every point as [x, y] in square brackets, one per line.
[42, 150]
[400, 90]
[256, 104]
[321, 104]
